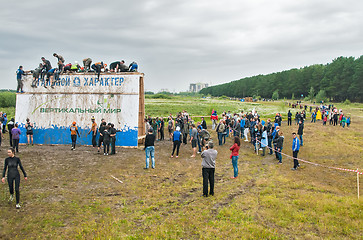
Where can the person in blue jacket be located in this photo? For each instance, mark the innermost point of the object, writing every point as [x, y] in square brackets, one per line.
[5, 122]
[243, 122]
[19, 75]
[176, 141]
[295, 150]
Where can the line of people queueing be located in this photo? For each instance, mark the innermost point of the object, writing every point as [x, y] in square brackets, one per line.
[51, 75]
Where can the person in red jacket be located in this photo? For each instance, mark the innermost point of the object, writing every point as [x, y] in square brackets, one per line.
[235, 155]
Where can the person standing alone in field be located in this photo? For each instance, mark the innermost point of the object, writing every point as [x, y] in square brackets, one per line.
[29, 131]
[11, 164]
[209, 156]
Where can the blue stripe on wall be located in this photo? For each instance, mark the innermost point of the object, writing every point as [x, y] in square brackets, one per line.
[62, 135]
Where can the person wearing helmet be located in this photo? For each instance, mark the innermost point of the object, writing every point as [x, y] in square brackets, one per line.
[74, 133]
[94, 131]
[176, 141]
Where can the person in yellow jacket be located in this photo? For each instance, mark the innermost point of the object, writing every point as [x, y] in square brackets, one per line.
[318, 115]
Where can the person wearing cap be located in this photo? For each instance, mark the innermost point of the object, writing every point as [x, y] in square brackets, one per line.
[176, 141]
[295, 150]
[209, 156]
[74, 133]
[149, 148]
[94, 131]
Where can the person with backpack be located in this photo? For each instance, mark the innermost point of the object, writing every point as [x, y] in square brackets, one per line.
[29, 131]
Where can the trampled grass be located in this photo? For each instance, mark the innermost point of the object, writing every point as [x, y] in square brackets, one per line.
[71, 194]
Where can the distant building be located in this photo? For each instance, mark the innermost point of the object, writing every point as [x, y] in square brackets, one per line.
[196, 87]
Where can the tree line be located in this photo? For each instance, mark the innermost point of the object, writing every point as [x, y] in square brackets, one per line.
[336, 81]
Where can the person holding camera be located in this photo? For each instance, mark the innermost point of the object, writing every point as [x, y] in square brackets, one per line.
[209, 156]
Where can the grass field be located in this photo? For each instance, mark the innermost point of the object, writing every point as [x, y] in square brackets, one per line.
[71, 194]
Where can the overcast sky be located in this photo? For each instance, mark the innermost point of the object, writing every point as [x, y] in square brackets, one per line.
[177, 42]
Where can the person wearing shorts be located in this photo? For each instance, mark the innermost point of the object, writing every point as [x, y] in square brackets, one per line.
[29, 131]
[193, 140]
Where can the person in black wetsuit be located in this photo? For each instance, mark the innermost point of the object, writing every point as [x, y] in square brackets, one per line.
[113, 132]
[106, 139]
[10, 127]
[101, 129]
[12, 163]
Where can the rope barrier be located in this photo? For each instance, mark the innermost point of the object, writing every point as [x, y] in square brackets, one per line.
[312, 163]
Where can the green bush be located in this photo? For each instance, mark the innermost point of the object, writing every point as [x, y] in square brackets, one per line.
[275, 95]
[7, 99]
[159, 95]
[321, 96]
[347, 102]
